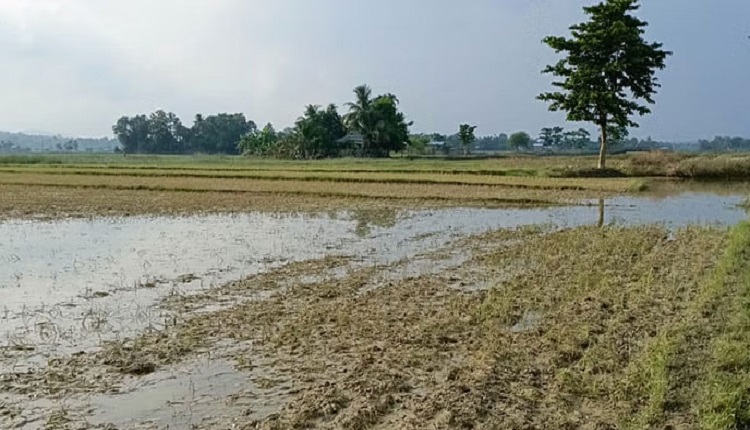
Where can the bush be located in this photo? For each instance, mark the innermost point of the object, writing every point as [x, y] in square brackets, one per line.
[655, 163]
[725, 167]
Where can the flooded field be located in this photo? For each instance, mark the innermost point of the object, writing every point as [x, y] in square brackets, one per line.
[71, 287]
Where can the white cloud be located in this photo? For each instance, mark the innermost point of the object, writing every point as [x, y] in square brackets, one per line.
[68, 62]
[74, 66]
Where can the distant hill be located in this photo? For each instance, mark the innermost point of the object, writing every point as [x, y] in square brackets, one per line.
[23, 142]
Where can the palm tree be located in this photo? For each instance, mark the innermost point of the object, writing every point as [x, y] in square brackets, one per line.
[361, 117]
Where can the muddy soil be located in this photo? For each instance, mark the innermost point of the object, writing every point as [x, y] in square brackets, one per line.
[512, 329]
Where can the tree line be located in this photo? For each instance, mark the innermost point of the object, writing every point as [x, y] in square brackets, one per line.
[164, 133]
[606, 77]
[724, 143]
[372, 127]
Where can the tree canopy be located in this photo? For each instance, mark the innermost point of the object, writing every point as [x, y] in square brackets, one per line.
[608, 71]
[552, 136]
[382, 126]
[163, 133]
[519, 140]
[319, 131]
[467, 137]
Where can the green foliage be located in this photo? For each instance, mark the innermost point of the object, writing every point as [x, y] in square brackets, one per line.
[492, 143]
[163, 133]
[133, 133]
[577, 139]
[617, 135]
[378, 120]
[551, 136]
[418, 143]
[260, 142]
[467, 137]
[557, 137]
[608, 70]
[519, 140]
[319, 132]
[725, 143]
[218, 134]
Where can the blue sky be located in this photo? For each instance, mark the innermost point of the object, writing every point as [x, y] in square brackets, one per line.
[75, 66]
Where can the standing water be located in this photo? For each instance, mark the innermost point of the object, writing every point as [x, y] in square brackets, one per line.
[69, 284]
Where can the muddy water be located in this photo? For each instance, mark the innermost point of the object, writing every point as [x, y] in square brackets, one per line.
[66, 286]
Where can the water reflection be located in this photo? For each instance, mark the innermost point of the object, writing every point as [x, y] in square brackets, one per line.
[369, 218]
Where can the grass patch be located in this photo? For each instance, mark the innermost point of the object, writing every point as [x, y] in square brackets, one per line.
[611, 301]
[725, 389]
[697, 369]
[649, 164]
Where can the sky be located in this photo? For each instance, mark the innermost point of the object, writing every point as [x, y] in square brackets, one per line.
[74, 66]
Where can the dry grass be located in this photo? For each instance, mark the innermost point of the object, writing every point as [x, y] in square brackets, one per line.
[50, 196]
[24, 201]
[721, 167]
[727, 167]
[413, 177]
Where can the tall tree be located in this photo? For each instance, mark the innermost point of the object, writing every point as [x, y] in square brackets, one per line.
[319, 131]
[335, 129]
[519, 140]
[608, 71]
[467, 137]
[391, 127]
[220, 133]
[133, 133]
[360, 117]
[382, 126]
[164, 131]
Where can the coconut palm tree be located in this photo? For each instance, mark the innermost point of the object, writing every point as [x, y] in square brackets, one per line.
[378, 120]
[361, 117]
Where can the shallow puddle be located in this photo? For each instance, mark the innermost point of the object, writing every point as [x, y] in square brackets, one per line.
[192, 395]
[196, 394]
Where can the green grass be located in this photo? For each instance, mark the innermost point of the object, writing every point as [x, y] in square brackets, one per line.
[700, 363]
[652, 164]
[725, 390]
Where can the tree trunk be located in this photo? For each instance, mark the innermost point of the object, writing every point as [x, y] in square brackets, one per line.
[603, 149]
